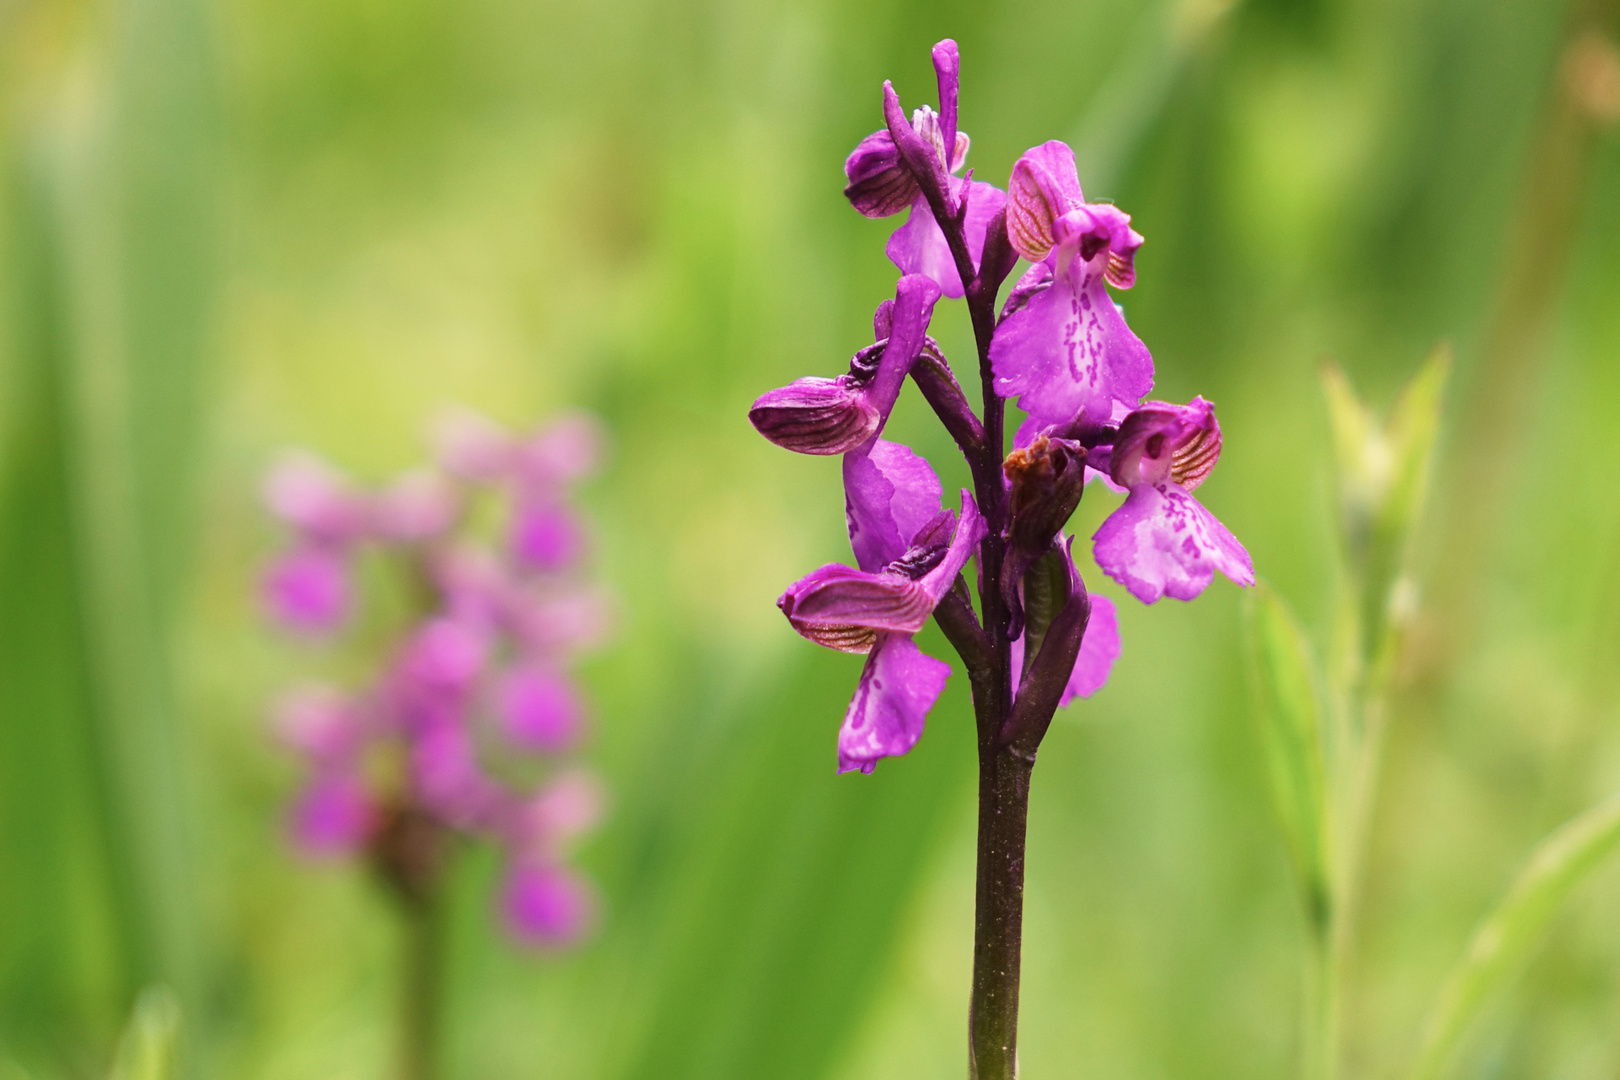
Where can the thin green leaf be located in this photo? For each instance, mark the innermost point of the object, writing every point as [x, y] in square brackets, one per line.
[150, 1044]
[1560, 863]
[1289, 707]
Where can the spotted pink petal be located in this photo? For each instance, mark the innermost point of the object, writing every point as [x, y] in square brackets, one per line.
[899, 684]
[1066, 351]
[1162, 542]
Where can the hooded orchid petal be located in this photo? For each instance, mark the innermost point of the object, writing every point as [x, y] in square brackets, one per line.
[1161, 441]
[885, 719]
[836, 416]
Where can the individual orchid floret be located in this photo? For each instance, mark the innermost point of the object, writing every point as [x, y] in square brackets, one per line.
[910, 552]
[882, 183]
[545, 904]
[834, 416]
[1063, 347]
[1162, 541]
[333, 816]
[417, 507]
[308, 589]
[316, 500]
[539, 707]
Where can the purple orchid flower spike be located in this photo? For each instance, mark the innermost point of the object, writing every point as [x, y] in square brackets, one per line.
[881, 184]
[1036, 640]
[400, 767]
[910, 552]
[1162, 542]
[834, 416]
[1062, 347]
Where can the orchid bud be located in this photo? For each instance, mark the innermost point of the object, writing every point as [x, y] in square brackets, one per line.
[879, 185]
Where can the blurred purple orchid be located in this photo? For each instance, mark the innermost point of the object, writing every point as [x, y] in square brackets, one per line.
[484, 666]
[1060, 346]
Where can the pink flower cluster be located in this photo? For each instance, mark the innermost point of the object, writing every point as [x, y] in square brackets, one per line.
[470, 721]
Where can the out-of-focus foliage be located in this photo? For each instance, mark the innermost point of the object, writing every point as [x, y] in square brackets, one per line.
[226, 227]
[149, 1048]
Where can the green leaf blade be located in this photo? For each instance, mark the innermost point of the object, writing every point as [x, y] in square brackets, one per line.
[1289, 708]
[1561, 862]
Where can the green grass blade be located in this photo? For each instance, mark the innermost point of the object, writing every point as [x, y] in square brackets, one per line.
[1289, 706]
[1560, 863]
[150, 1043]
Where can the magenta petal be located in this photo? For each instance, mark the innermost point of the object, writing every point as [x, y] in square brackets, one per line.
[333, 816]
[539, 708]
[546, 905]
[890, 492]
[970, 530]
[315, 498]
[320, 722]
[416, 507]
[448, 778]
[1044, 186]
[1066, 351]
[814, 415]
[843, 608]
[546, 535]
[1162, 542]
[919, 247]
[473, 446]
[562, 452]
[308, 589]
[898, 686]
[1161, 441]
[444, 656]
[1098, 651]
[568, 806]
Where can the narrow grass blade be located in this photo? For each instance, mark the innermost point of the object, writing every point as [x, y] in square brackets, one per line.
[1289, 706]
[1506, 936]
[151, 1042]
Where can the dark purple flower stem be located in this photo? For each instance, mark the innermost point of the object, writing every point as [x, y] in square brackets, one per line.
[409, 853]
[1006, 750]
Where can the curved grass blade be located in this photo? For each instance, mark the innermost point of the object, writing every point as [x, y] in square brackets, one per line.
[1560, 863]
[150, 1044]
[1289, 707]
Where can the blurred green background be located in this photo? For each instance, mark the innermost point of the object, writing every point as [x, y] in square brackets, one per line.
[228, 227]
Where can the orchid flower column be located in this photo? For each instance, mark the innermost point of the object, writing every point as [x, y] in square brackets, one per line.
[1061, 346]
